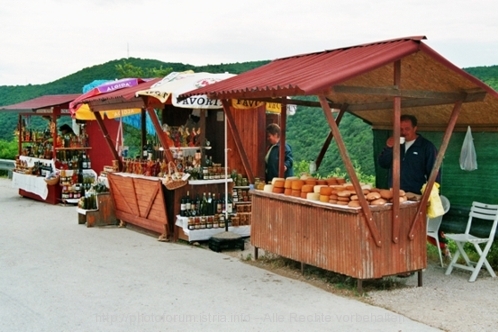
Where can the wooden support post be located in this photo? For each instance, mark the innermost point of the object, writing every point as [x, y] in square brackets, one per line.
[435, 169]
[160, 134]
[328, 140]
[108, 140]
[351, 172]
[396, 155]
[238, 141]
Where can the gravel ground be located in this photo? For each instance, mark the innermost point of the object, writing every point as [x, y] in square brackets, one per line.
[449, 303]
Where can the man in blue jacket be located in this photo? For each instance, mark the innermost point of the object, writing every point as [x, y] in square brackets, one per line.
[272, 156]
[418, 156]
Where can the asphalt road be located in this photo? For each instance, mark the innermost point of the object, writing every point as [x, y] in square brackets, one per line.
[56, 275]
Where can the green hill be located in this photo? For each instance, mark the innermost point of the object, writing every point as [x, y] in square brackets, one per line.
[307, 129]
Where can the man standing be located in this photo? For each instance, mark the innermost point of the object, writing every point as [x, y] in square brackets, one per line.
[418, 156]
[272, 156]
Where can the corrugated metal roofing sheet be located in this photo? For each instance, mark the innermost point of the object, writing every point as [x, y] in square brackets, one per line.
[41, 102]
[357, 78]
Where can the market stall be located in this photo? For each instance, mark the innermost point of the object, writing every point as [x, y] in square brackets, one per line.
[376, 82]
[44, 153]
[191, 137]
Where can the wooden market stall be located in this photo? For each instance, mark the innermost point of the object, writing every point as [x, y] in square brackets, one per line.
[132, 206]
[376, 82]
[46, 149]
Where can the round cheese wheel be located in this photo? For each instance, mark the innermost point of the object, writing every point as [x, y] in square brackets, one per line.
[268, 188]
[310, 181]
[307, 188]
[287, 191]
[354, 204]
[278, 183]
[342, 203]
[317, 187]
[276, 179]
[386, 193]
[288, 183]
[332, 201]
[379, 201]
[322, 182]
[303, 195]
[325, 190]
[373, 196]
[313, 196]
[297, 184]
[341, 180]
[324, 198]
[296, 193]
[331, 181]
[278, 190]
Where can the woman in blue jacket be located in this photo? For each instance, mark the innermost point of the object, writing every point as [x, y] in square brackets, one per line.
[272, 156]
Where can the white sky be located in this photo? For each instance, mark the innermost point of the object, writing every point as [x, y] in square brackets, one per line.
[42, 41]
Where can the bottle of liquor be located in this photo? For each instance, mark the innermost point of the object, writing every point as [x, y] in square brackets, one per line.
[209, 208]
[229, 204]
[204, 205]
[183, 204]
[219, 206]
[194, 207]
[188, 205]
[84, 161]
[88, 162]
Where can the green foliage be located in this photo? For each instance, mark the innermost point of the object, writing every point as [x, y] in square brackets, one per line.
[8, 149]
[126, 69]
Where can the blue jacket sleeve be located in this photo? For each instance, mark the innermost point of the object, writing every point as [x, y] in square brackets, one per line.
[385, 158]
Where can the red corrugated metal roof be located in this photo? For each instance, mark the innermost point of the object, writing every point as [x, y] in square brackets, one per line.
[41, 102]
[311, 73]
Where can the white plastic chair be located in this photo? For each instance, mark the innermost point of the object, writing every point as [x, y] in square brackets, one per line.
[479, 211]
[434, 223]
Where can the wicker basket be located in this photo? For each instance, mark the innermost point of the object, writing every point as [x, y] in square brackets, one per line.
[174, 179]
[52, 181]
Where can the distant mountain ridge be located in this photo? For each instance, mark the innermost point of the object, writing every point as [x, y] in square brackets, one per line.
[305, 134]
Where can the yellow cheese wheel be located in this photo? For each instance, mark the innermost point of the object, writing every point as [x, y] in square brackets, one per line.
[278, 183]
[278, 190]
[296, 193]
[324, 198]
[288, 183]
[297, 184]
[325, 190]
[307, 188]
[331, 181]
[276, 179]
[317, 187]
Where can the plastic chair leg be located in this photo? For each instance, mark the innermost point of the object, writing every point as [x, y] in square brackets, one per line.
[439, 250]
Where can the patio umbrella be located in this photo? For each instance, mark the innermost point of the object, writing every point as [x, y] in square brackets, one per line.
[81, 111]
[170, 87]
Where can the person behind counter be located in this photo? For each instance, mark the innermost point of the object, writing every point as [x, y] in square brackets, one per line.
[272, 156]
[418, 156]
[66, 129]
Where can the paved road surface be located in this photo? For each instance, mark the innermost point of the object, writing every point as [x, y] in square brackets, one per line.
[56, 275]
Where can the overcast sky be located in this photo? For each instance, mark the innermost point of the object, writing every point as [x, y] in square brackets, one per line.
[42, 41]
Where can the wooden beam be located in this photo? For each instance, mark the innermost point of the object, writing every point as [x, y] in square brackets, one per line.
[283, 129]
[408, 103]
[396, 174]
[116, 104]
[238, 142]
[395, 91]
[108, 140]
[374, 231]
[299, 102]
[435, 169]
[328, 140]
[160, 134]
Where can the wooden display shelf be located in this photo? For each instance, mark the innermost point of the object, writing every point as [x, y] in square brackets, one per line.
[74, 148]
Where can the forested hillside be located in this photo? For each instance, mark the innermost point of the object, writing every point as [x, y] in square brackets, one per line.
[306, 130]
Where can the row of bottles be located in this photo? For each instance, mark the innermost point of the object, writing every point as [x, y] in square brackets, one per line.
[73, 160]
[205, 205]
[30, 135]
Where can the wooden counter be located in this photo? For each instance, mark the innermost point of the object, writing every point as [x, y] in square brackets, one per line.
[139, 200]
[337, 238]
